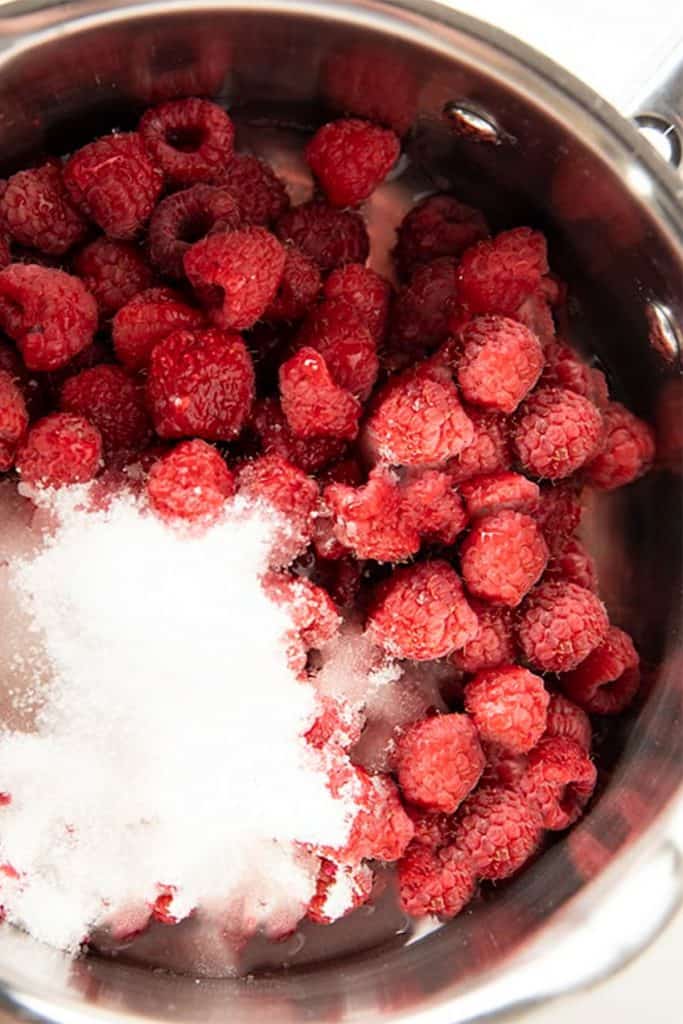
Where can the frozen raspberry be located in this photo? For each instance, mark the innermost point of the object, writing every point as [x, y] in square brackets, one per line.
[485, 495]
[37, 211]
[560, 624]
[369, 519]
[433, 829]
[147, 319]
[497, 276]
[535, 313]
[439, 761]
[489, 450]
[439, 882]
[313, 613]
[421, 612]
[353, 885]
[608, 680]
[381, 830]
[237, 275]
[309, 453]
[114, 182]
[49, 314]
[627, 450]
[201, 384]
[568, 721]
[559, 780]
[163, 909]
[503, 768]
[336, 331]
[500, 362]
[509, 706]
[438, 226]
[298, 289]
[418, 420]
[367, 291]
[191, 482]
[497, 830]
[338, 724]
[190, 139]
[350, 158]
[557, 431]
[492, 645]
[184, 218]
[311, 401]
[503, 556]
[113, 402]
[13, 419]
[420, 317]
[572, 562]
[286, 488]
[433, 507]
[565, 369]
[113, 272]
[559, 513]
[60, 449]
[327, 236]
[260, 195]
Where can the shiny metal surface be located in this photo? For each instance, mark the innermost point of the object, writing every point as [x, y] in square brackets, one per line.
[612, 210]
[660, 109]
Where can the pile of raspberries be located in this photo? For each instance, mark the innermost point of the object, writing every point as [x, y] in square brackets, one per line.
[425, 441]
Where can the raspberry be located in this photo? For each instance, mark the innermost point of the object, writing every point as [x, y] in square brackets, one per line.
[367, 291]
[503, 556]
[312, 403]
[557, 431]
[313, 613]
[298, 289]
[497, 831]
[114, 182]
[37, 211]
[559, 513]
[422, 309]
[433, 829]
[560, 624]
[489, 450]
[184, 218]
[559, 780]
[572, 562]
[568, 721]
[337, 724]
[113, 402]
[503, 768]
[190, 139]
[309, 453]
[60, 449]
[49, 314]
[418, 420]
[13, 419]
[497, 276]
[201, 384]
[438, 226]
[433, 508]
[381, 829]
[509, 706]
[434, 882]
[327, 236]
[350, 158]
[260, 195]
[369, 520]
[283, 486]
[500, 362]
[565, 369]
[147, 319]
[439, 761]
[627, 451]
[237, 275]
[536, 315]
[191, 482]
[608, 680]
[421, 612]
[113, 272]
[335, 330]
[354, 882]
[492, 645]
[485, 495]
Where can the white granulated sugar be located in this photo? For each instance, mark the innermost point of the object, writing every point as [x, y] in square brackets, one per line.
[168, 748]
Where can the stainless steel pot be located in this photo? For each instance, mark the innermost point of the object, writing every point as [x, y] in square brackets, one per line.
[482, 109]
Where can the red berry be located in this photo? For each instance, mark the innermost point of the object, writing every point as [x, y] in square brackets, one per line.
[433, 507]
[313, 404]
[497, 831]
[559, 513]
[608, 680]
[338, 724]
[503, 556]
[190, 139]
[260, 195]
[557, 431]
[421, 312]
[627, 451]
[60, 449]
[113, 272]
[421, 612]
[191, 482]
[493, 643]
[201, 384]
[440, 225]
[488, 451]
[509, 706]
[568, 721]
[286, 488]
[184, 218]
[114, 182]
[350, 158]
[309, 453]
[485, 495]
[147, 319]
[572, 562]
[559, 780]
[336, 331]
[503, 768]
[367, 291]
[314, 615]
[298, 289]
[13, 419]
[381, 829]
[433, 829]
[439, 882]
[327, 236]
[536, 315]
[237, 275]
[439, 761]
[496, 276]
[113, 402]
[500, 362]
[38, 213]
[354, 884]
[369, 520]
[565, 369]
[560, 624]
[49, 314]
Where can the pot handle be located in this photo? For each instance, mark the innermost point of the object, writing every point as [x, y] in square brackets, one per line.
[658, 109]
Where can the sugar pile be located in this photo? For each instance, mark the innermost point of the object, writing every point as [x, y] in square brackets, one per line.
[168, 750]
